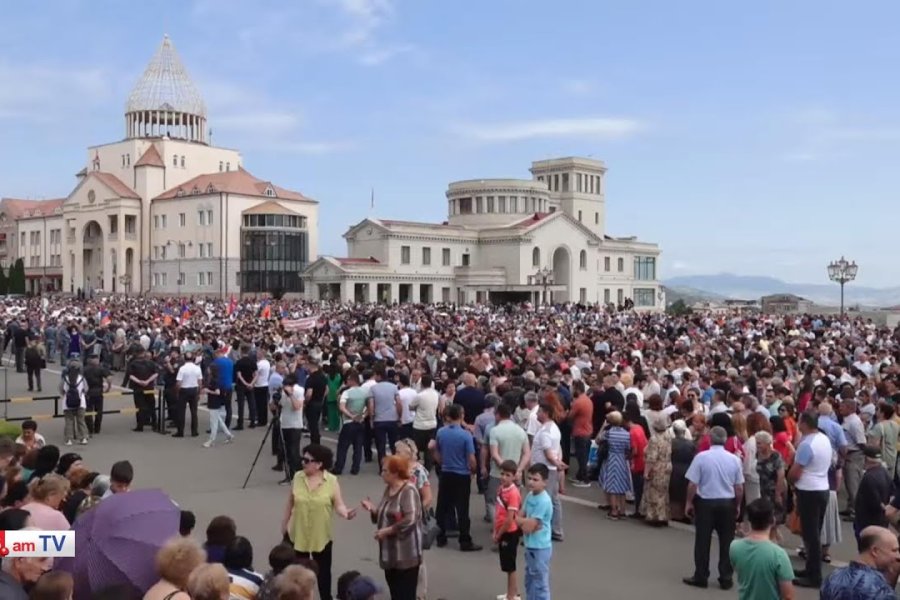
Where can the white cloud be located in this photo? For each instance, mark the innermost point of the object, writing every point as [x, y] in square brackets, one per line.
[606, 128]
[44, 93]
[377, 56]
[261, 123]
[315, 148]
[578, 87]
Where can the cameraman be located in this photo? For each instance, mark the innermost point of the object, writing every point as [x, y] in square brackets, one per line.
[275, 383]
[291, 424]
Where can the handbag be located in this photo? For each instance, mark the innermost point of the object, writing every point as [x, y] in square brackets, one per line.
[430, 530]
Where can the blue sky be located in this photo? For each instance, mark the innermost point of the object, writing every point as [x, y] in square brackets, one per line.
[755, 138]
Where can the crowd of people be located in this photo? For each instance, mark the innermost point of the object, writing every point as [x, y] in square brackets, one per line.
[739, 424]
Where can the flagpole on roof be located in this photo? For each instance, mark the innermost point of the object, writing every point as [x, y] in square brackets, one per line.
[372, 201]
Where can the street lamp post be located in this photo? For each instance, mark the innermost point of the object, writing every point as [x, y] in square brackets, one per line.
[544, 278]
[178, 249]
[842, 272]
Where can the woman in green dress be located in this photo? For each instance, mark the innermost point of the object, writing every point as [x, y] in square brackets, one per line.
[335, 383]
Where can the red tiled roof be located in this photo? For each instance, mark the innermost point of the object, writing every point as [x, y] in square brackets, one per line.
[151, 158]
[350, 261]
[15, 208]
[529, 221]
[233, 182]
[115, 184]
[44, 208]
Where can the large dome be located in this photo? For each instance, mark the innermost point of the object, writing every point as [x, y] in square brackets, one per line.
[166, 86]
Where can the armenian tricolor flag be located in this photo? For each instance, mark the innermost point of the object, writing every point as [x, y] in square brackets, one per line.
[104, 318]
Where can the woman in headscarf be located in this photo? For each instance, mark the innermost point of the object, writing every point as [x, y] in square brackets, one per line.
[658, 470]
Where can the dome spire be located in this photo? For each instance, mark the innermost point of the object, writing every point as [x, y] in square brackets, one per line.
[165, 101]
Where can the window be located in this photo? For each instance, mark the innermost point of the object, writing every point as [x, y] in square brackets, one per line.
[606, 264]
[182, 161]
[209, 219]
[221, 166]
[582, 260]
[155, 221]
[201, 279]
[582, 295]
[621, 264]
[536, 257]
[182, 219]
[270, 192]
[445, 294]
[445, 257]
[501, 204]
[162, 252]
[130, 223]
[579, 216]
[426, 256]
[165, 279]
[490, 204]
[156, 252]
[209, 279]
[578, 182]
[162, 220]
[465, 260]
[465, 206]
[180, 278]
[479, 204]
[123, 160]
[513, 204]
[156, 279]
[228, 166]
[181, 250]
[596, 218]
[644, 297]
[201, 216]
[606, 296]
[620, 296]
[175, 160]
[556, 182]
[644, 269]
[209, 251]
[404, 255]
[565, 183]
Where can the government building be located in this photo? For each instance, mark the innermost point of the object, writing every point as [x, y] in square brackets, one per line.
[541, 239]
[163, 211]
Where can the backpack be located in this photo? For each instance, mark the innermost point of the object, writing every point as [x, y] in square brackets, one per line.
[73, 394]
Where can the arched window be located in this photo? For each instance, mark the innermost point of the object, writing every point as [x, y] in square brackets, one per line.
[582, 259]
[536, 257]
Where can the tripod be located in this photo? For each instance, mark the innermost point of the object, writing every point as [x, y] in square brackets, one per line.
[287, 468]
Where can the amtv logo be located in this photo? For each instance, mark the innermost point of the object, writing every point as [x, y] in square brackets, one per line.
[37, 543]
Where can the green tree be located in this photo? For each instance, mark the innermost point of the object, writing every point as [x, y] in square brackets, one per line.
[679, 308]
[17, 278]
[4, 282]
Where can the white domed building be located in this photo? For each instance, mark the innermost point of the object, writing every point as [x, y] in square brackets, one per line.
[541, 239]
[163, 211]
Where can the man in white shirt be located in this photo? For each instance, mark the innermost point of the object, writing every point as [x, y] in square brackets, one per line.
[425, 406]
[291, 422]
[407, 395]
[809, 474]
[187, 391]
[546, 449]
[533, 425]
[261, 388]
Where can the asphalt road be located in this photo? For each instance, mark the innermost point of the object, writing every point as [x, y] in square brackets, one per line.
[599, 558]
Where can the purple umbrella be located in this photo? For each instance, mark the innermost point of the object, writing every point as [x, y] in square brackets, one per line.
[116, 542]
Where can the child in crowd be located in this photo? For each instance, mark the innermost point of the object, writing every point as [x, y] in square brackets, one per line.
[506, 530]
[280, 557]
[535, 520]
[187, 524]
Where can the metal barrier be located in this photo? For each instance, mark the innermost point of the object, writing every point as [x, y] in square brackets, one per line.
[160, 407]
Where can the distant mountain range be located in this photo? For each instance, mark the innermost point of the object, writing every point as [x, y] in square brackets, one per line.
[693, 288]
